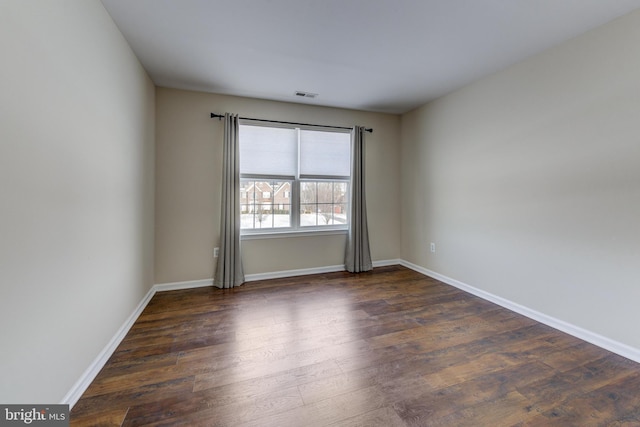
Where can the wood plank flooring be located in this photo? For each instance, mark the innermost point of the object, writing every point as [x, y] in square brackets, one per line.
[387, 348]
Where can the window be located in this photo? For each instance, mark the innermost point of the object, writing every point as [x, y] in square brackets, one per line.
[323, 203]
[259, 210]
[293, 179]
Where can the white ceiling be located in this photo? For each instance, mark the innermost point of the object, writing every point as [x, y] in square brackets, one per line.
[376, 55]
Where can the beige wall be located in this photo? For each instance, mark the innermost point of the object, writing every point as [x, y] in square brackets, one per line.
[76, 179]
[529, 182]
[188, 169]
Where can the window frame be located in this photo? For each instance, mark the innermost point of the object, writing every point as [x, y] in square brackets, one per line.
[295, 229]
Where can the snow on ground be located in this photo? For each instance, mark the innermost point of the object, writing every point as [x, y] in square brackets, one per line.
[283, 220]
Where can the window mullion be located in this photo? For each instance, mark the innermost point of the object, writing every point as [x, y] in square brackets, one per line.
[333, 203]
[295, 195]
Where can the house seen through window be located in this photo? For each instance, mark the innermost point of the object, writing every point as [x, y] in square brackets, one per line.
[293, 178]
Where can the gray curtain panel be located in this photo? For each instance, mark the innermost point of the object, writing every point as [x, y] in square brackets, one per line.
[358, 254]
[229, 272]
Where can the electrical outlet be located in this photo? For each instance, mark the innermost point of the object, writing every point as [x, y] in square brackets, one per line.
[433, 247]
[216, 251]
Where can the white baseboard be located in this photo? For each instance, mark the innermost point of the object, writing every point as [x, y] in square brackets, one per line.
[174, 286]
[308, 271]
[292, 273]
[387, 262]
[72, 397]
[619, 348]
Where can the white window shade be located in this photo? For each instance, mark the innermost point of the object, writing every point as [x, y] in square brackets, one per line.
[325, 154]
[268, 151]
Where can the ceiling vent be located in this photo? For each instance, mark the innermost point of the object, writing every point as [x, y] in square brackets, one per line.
[306, 94]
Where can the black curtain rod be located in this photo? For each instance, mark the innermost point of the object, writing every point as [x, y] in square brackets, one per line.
[220, 116]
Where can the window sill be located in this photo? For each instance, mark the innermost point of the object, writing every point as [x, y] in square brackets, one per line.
[290, 233]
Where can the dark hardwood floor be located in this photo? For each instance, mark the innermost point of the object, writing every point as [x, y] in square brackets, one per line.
[388, 348]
